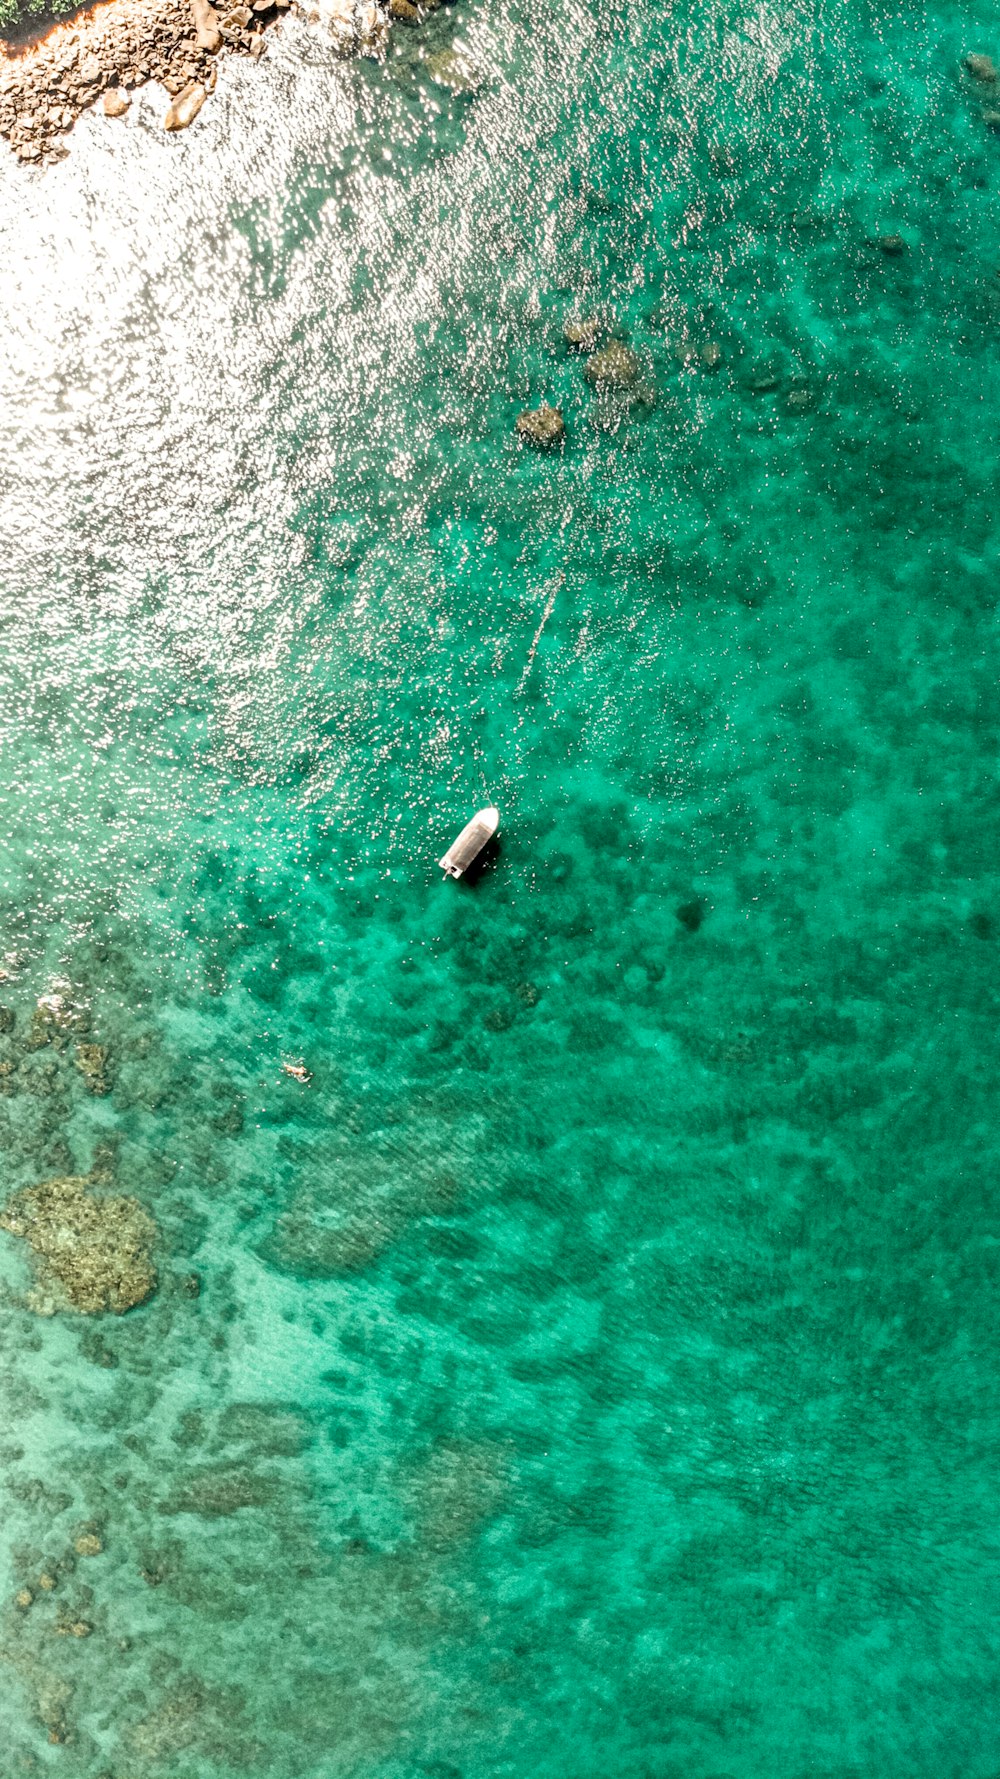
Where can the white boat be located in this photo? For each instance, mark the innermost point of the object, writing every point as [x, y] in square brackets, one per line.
[474, 836]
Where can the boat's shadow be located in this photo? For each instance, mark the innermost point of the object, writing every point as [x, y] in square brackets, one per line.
[483, 862]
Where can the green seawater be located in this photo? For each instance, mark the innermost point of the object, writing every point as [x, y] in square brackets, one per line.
[593, 1367]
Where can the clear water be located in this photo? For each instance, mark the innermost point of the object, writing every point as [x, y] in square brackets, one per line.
[594, 1367]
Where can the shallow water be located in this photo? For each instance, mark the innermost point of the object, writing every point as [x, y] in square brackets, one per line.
[594, 1364]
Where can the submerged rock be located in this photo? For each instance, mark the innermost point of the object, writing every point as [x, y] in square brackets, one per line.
[981, 67]
[614, 367]
[92, 1062]
[186, 106]
[91, 1253]
[449, 69]
[272, 1429]
[217, 1491]
[542, 427]
[691, 914]
[892, 245]
[724, 162]
[692, 353]
[56, 1015]
[582, 336]
[763, 381]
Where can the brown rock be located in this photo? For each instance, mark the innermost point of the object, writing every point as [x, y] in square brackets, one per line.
[207, 34]
[404, 12]
[89, 70]
[185, 107]
[116, 102]
[542, 427]
[981, 67]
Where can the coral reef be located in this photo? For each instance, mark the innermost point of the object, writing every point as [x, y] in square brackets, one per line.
[92, 1253]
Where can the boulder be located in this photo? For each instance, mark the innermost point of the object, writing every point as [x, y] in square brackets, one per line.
[207, 34]
[614, 367]
[92, 1253]
[373, 29]
[404, 12]
[981, 67]
[892, 245]
[542, 427]
[991, 119]
[116, 102]
[185, 107]
[339, 17]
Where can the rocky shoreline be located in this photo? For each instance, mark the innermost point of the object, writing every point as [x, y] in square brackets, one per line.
[106, 54]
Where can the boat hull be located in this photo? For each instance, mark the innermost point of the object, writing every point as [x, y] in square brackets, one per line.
[476, 834]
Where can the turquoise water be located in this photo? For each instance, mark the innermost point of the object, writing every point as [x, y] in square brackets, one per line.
[593, 1366]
